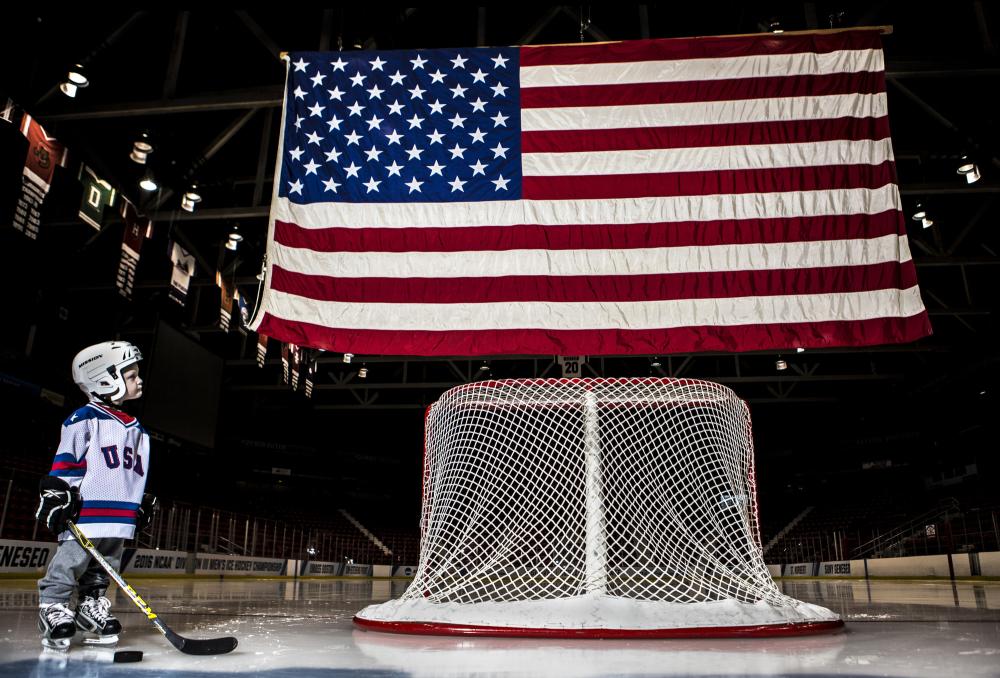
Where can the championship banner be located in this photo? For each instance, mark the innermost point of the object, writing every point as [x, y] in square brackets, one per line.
[8, 112]
[261, 349]
[310, 374]
[571, 365]
[137, 229]
[244, 311]
[228, 295]
[44, 153]
[97, 194]
[296, 356]
[180, 276]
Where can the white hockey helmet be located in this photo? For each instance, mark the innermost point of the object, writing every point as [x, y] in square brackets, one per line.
[97, 369]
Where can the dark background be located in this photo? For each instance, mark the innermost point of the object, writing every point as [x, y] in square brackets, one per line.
[840, 425]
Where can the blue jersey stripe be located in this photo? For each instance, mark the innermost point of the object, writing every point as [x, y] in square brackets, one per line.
[69, 473]
[110, 505]
[67, 458]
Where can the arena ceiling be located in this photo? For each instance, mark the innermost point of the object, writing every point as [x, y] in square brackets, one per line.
[206, 85]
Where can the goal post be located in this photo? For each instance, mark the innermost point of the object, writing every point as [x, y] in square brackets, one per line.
[591, 507]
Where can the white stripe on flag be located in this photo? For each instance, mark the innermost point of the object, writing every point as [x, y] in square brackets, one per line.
[605, 211]
[704, 113]
[709, 158]
[641, 315]
[595, 262]
[687, 70]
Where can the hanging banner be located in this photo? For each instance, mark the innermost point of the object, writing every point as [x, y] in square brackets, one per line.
[180, 276]
[310, 374]
[226, 309]
[8, 113]
[296, 356]
[285, 362]
[261, 350]
[571, 365]
[137, 229]
[97, 194]
[44, 153]
[241, 306]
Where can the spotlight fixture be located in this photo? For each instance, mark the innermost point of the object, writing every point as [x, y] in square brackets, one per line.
[799, 349]
[348, 357]
[969, 169]
[485, 367]
[655, 362]
[363, 373]
[141, 148]
[148, 182]
[927, 223]
[190, 198]
[235, 238]
[75, 80]
[775, 26]
[780, 365]
[919, 213]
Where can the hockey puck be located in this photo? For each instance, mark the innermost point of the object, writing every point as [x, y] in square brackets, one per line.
[128, 656]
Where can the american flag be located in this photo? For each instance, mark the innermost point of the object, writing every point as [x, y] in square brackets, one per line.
[732, 193]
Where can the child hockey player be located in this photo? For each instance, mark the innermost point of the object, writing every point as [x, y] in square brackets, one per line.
[98, 480]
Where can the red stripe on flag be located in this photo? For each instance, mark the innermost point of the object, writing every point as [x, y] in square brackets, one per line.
[699, 48]
[698, 136]
[827, 84]
[591, 236]
[727, 182]
[108, 513]
[573, 289]
[757, 337]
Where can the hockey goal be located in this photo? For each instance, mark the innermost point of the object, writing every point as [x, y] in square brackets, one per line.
[591, 507]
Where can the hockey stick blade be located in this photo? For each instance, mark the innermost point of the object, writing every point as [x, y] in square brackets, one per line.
[185, 645]
[201, 646]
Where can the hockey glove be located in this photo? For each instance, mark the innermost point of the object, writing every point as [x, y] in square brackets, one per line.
[144, 516]
[58, 502]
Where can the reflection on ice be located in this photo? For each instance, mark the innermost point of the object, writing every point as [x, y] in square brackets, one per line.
[303, 629]
[448, 656]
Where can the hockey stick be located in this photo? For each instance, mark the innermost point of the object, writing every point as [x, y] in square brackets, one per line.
[185, 645]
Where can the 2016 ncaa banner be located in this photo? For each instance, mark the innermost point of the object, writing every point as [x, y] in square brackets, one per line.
[655, 196]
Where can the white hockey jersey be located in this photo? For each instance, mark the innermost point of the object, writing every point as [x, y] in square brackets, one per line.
[104, 453]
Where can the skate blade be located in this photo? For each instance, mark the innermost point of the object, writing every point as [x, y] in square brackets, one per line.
[101, 640]
[55, 643]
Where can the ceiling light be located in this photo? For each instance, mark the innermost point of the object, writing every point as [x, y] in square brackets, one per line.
[775, 26]
[919, 213]
[800, 350]
[348, 357]
[484, 367]
[969, 168]
[141, 148]
[148, 183]
[234, 239]
[927, 223]
[75, 80]
[780, 365]
[190, 199]
[655, 362]
[363, 373]
[77, 76]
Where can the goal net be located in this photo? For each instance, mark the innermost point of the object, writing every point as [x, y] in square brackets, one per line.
[600, 507]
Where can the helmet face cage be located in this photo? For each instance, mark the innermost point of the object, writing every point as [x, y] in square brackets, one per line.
[97, 369]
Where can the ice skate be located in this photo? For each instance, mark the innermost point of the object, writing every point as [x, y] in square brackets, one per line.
[56, 623]
[93, 616]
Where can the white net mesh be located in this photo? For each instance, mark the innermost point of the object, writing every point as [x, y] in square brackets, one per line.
[636, 492]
